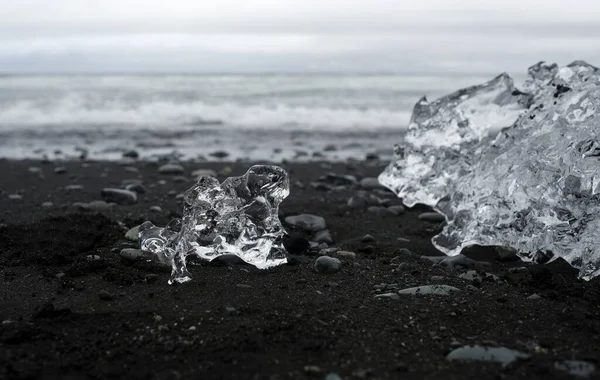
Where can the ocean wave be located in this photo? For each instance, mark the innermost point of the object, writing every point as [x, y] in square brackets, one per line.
[75, 111]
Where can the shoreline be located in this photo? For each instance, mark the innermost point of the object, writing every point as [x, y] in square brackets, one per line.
[71, 306]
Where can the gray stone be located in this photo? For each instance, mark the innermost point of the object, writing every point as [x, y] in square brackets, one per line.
[155, 209]
[133, 234]
[131, 254]
[333, 376]
[199, 173]
[47, 204]
[308, 222]
[363, 199]
[80, 206]
[380, 211]
[327, 265]
[131, 154]
[502, 355]
[104, 295]
[347, 255]
[433, 217]
[73, 187]
[368, 239]
[137, 188]
[438, 290]
[534, 296]
[171, 169]
[15, 197]
[396, 210]
[370, 183]
[323, 237]
[392, 296]
[60, 170]
[119, 196]
[98, 206]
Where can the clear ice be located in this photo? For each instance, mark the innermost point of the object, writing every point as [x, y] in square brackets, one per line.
[237, 217]
[511, 168]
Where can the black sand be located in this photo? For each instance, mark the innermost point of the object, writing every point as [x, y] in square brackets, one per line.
[67, 314]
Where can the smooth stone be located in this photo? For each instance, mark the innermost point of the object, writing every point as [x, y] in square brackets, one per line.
[133, 234]
[137, 188]
[362, 199]
[432, 217]
[534, 296]
[131, 254]
[403, 240]
[370, 183]
[73, 187]
[119, 196]
[98, 206]
[104, 295]
[296, 243]
[438, 290]
[380, 211]
[396, 210]
[578, 368]
[307, 222]
[348, 255]
[47, 204]
[155, 209]
[15, 197]
[502, 355]
[60, 170]
[81, 206]
[199, 173]
[392, 296]
[219, 154]
[34, 169]
[333, 376]
[323, 237]
[339, 180]
[327, 265]
[171, 169]
[368, 239]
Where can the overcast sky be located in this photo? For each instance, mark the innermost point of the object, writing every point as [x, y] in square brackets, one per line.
[462, 36]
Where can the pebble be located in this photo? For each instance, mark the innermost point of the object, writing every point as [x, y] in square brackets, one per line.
[308, 222]
[98, 206]
[438, 290]
[502, 355]
[534, 296]
[219, 154]
[60, 170]
[327, 265]
[362, 199]
[348, 255]
[198, 173]
[403, 240]
[295, 243]
[370, 183]
[137, 188]
[339, 180]
[119, 196]
[396, 210]
[155, 209]
[15, 197]
[173, 169]
[47, 204]
[133, 234]
[432, 217]
[380, 211]
[73, 188]
[392, 296]
[104, 295]
[578, 368]
[323, 237]
[333, 376]
[131, 154]
[130, 254]
[368, 239]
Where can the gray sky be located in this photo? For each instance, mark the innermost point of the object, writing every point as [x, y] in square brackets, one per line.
[462, 36]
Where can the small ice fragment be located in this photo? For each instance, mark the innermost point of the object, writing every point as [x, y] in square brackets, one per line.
[237, 217]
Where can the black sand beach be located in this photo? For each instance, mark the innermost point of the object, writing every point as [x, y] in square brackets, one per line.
[71, 307]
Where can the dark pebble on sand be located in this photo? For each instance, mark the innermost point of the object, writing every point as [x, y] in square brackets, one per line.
[370, 183]
[327, 265]
[380, 211]
[396, 210]
[219, 154]
[171, 169]
[131, 154]
[432, 217]
[323, 237]
[119, 196]
[137, 188]
[295, 243]
[368, 239]
[60, 170]
[104, 295]
[307, 222]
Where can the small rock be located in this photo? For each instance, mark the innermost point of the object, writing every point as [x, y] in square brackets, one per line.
[380, 211]
[295, 244]
[333, 376]
[439, 290]
[338, 180]
[368, 239]
[502, 355]
[219, 154]
[199, 173]
[392, 296]
[137, 188]
[396, 210]
[133, 234]
[15, 197]
[534, 296]
[323, 237]
[119, 196]
[131, 254]
[327, 265]
[370, 183]
[348, 255]
[363, 199]
[60, 170]
[47, 204]
[98, 206]
[131, 154]
[80, 206]
[155, 209]
[433, 217]
[104, 295]
[307, 222]
[73, 188]
[171, 169]
[403, 240]
[577, 368]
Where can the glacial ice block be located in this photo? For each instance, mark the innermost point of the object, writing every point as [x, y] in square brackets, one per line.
[237, 217]
[533, 187]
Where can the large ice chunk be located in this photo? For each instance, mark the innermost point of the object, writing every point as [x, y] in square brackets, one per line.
[237, 217]
[534, 187]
